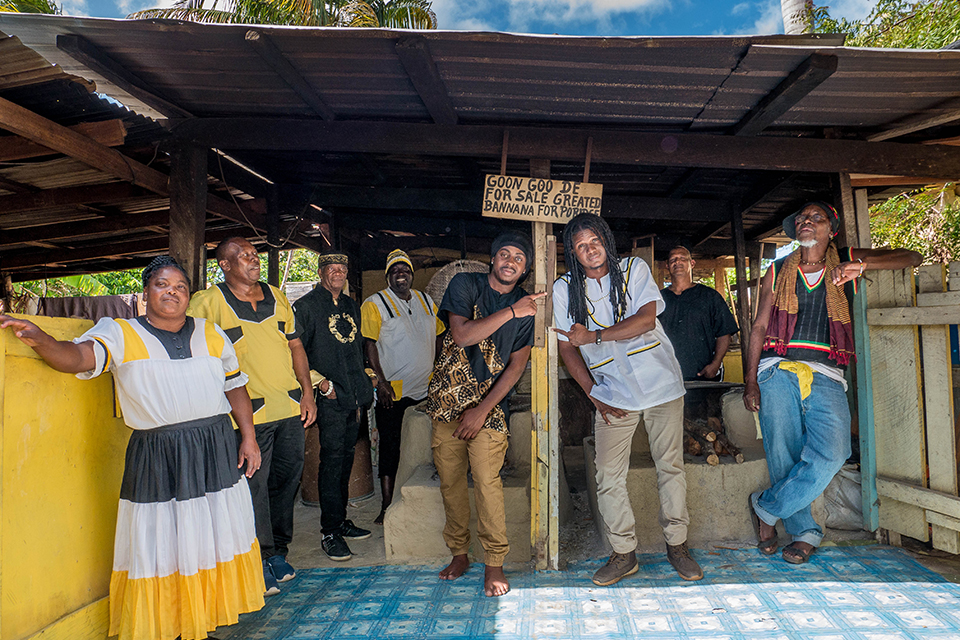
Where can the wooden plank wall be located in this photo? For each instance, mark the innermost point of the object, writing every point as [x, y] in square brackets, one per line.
[898, 402]
[938, 402]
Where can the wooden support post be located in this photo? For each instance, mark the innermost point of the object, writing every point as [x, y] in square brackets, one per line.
[545, 462]
[740, 263]
[864, 377]
[273, 236]
[188, 206]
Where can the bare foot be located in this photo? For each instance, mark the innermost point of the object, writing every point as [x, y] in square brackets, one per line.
[456, 568]
[494, 582]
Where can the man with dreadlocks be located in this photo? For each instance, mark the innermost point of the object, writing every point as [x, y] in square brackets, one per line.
[800, 343]
[605, 310]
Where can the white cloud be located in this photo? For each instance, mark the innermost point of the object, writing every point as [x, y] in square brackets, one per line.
[75, 8]
[768, 22]
[126, 7]
[532, 15]
[739, 8]
[851, 9]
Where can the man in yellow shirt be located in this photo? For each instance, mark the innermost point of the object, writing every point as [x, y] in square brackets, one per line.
[259, 321]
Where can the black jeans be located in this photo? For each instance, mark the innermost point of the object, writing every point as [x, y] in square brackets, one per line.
[389, 425]
[274, 486]
[338, 439]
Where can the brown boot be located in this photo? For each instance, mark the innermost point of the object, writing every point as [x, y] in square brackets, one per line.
[679, 556]
[620, 565]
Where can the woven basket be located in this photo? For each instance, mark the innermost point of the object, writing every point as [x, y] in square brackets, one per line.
[438, 283]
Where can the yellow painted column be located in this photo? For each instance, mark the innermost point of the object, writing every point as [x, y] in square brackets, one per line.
[61, 462]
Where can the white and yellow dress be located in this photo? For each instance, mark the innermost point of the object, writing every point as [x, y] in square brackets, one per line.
[186, 557]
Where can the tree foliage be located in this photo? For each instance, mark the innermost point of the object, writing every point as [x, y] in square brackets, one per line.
[30, 6]
[897, 24]
[398, 14]
[926, 220]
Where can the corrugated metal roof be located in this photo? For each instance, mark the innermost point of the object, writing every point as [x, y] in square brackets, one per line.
[672, 84]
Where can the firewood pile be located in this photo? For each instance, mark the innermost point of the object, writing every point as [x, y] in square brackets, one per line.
[708, 441]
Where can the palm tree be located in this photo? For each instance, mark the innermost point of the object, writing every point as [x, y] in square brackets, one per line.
[796, 16]
[30, 6]
[412, 14]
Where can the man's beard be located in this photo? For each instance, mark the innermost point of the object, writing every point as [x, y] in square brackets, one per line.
[808, 243]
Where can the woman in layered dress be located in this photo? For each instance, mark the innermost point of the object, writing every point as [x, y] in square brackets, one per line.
[186, 557]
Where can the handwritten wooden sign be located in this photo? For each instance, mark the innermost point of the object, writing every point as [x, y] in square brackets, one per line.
[539, 199]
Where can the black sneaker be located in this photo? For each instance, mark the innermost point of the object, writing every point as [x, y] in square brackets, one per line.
[351, 531]
[270, 586]
[335, 548]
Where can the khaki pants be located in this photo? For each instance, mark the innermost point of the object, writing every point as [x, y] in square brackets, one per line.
[664, 424]
[484, 455]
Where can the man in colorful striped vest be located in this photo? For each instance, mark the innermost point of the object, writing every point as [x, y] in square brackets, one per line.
[800, 344]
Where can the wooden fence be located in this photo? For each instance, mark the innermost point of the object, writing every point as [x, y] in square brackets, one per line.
[914, 418]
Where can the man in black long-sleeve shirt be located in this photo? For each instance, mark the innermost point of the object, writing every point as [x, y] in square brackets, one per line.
[330, 321]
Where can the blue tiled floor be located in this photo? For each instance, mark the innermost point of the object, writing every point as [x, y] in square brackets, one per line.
[868, 593]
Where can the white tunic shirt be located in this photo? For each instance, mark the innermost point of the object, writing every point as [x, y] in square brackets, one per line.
[157, 388]
[632, 374]
[406, 333]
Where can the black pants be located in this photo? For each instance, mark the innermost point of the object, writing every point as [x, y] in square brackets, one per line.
[389, 426]
[338, 439]
[274, 486]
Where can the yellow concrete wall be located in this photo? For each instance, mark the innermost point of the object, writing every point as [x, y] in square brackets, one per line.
[732, 366]
[62, 462]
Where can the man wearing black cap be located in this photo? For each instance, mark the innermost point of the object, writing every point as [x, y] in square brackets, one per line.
[330, 321]
[800, 343]
[483, 355]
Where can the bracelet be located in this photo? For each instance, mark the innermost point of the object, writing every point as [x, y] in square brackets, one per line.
[862, 267]
[513, 312]
[326, 394]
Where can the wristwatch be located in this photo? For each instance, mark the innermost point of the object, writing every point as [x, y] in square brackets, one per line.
[598, 336]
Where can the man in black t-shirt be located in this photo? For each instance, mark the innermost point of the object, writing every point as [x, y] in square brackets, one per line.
[485, 351]
[696, 319]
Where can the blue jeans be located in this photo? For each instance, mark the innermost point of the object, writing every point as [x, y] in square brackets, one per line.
[806, 442]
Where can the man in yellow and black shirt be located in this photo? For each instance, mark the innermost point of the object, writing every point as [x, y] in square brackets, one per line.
[259, 321]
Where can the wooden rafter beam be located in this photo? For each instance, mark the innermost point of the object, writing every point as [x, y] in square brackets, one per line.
[69, 196]
[611, 147]
[269, 53]
[71, 230]
[92, 57]
[915, 123]
[109, 133]
[117, 249]
[808, 75]
[414, 54]
[17, 187]
[27, 124]
[470, 201]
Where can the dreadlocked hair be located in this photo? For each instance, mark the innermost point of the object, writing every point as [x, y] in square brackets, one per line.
[577, 286]
[158, 263]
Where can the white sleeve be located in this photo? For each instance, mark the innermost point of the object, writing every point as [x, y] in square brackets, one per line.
[560, 305]
[107, 339]
[641, 285]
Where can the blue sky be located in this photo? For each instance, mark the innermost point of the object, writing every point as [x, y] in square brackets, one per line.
[572, 17]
